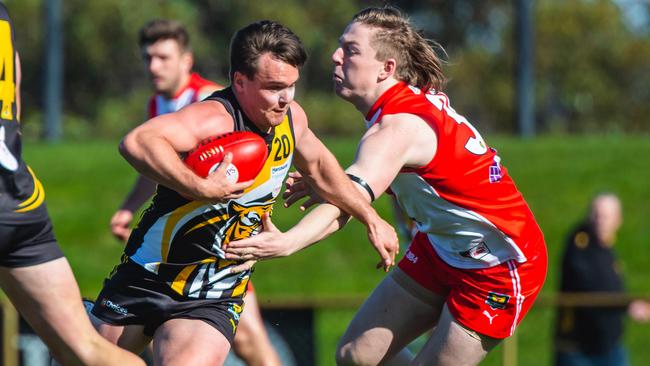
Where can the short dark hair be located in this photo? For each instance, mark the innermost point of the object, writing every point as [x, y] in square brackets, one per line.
[256, 39]
[161, 29]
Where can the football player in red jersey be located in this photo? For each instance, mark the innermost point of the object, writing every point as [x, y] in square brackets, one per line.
[478, 259]
[34, 274]
[168, 58]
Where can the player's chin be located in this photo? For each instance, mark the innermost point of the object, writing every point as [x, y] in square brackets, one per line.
[342, 92]
[275, 118]
[161, 87]
[158, 81]
[340, 89]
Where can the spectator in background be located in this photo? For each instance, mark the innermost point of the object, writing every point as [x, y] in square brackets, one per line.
[168, 58]
[592, 335]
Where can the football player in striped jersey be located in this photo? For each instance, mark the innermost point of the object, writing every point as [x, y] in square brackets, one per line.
[168, 57]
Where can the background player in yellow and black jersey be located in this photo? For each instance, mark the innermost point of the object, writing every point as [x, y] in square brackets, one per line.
[174, 284]
[33, 272]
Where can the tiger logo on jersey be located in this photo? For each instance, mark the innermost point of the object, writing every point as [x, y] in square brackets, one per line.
[245, 221]
[212, 230]
[217, 228]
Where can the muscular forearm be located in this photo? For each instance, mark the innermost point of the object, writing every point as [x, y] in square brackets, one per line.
[333, 185]
[159, 162]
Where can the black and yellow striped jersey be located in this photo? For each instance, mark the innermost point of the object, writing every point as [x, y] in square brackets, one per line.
[21, 194]
[181, 241]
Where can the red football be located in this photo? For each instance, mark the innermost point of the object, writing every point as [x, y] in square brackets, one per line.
[249, 153]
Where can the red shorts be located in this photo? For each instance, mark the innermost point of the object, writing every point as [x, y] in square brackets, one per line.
[490, 301]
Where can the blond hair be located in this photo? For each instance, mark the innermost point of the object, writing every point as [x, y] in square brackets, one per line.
[417, 62]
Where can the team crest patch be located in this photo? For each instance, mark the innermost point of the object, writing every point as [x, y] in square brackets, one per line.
[476, 252]
[497, 301]
[495, 170]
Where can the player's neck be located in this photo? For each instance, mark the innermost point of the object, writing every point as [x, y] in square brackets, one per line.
[366, 101]
[182, 84]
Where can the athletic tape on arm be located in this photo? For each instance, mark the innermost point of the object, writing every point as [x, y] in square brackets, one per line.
[363, 184]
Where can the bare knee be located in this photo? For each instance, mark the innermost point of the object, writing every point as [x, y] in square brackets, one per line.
[242, 344]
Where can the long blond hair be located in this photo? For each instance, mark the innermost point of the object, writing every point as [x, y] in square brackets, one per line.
[417, 61]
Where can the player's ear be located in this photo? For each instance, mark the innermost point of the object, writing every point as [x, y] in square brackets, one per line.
[388, 69]
[187, 60]
[238, 81]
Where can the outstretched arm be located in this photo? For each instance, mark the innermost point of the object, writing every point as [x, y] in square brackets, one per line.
[272, 243]
[401, 140]
[322, 171]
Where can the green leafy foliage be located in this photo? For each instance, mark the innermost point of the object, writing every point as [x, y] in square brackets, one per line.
[590, 65]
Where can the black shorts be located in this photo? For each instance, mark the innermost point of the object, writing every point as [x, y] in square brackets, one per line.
[135, 296]
[27, 244]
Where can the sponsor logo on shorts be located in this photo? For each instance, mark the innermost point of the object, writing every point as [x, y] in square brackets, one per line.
[490, 316]
[114, 307]
[411, 257]
[497, 301]
[477, 252]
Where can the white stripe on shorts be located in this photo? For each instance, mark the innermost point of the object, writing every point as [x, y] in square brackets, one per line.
[516, 290]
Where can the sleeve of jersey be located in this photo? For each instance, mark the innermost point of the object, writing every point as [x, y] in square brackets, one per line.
[151, 107]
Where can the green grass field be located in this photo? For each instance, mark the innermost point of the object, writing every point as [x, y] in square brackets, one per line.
[85, 183]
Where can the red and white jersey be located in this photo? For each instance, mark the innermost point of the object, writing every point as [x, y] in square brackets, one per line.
[159, 104]
[463, 199]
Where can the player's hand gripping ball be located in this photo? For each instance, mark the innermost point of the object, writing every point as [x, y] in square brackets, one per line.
[249, 155]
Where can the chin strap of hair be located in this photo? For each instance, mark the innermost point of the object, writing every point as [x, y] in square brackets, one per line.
[363, 184]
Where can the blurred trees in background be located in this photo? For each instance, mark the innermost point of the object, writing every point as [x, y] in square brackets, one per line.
[592, 57]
